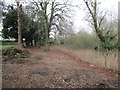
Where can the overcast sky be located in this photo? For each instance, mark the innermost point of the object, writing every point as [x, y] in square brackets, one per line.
[79, 14]
[106, 5]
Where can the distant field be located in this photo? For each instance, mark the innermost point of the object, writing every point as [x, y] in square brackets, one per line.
[5, 46]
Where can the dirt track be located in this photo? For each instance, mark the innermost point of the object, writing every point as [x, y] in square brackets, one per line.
[55, 69]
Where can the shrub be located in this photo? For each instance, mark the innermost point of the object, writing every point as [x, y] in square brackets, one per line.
[9, 42]
[82, 40]
[12, 52]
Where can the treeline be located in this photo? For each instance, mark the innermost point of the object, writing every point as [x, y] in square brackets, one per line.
[45, 22]
[29, 27]
[103, 24]
[38, 20]
[85, 40]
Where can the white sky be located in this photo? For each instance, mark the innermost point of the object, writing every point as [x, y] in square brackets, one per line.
[79, 14]
[107, 5]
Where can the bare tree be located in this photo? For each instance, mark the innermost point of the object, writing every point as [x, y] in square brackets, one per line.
[103, 28]
[98, 20]
[52, 12]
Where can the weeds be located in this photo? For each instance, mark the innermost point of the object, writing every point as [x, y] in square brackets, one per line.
[20, 60]
[16, 55]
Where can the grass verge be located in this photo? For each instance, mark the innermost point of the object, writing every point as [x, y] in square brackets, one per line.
[5, 46]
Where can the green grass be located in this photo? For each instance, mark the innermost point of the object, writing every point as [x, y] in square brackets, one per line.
[4, 46]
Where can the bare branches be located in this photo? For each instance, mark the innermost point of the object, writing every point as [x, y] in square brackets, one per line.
[97, 20]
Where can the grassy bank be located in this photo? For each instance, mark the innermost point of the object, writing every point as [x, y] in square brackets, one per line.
[93, 57]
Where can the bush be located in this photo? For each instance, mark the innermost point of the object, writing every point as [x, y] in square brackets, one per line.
[82, 40]
[51, 42]
[12, 52]
[9, 43]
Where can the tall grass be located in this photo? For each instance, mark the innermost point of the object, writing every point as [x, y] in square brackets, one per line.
[93, 57]
[83, 46]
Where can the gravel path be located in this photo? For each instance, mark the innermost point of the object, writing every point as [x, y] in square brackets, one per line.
[55, 69]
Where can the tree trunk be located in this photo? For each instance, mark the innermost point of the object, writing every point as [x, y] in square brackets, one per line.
[31, 42]
[27, 42]
[35, 42]
[19, 27]
[47, 38]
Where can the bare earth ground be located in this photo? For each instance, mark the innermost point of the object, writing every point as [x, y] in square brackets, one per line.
[55, 69]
